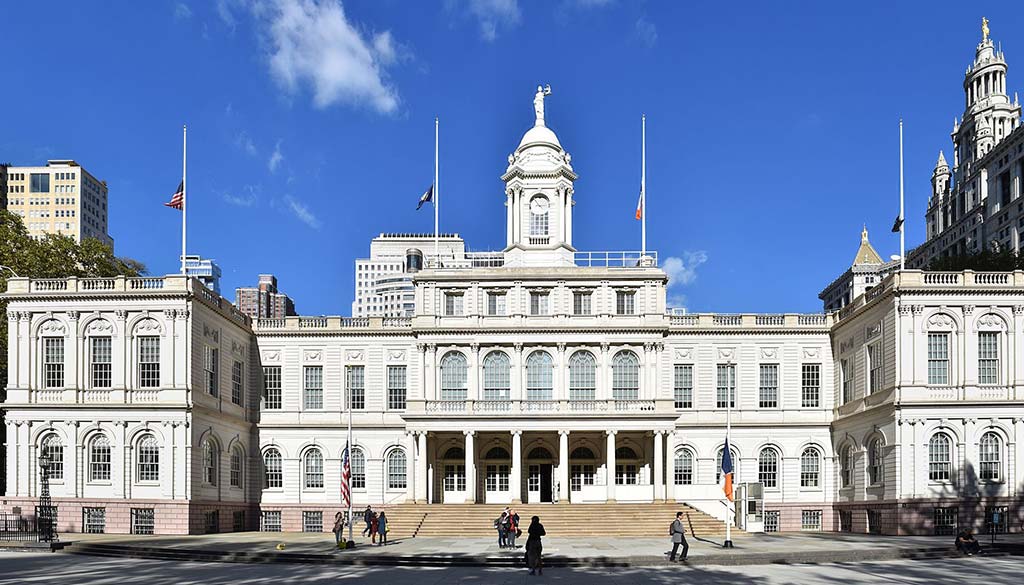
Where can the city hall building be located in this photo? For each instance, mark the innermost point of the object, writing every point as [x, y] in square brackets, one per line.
[540, 374]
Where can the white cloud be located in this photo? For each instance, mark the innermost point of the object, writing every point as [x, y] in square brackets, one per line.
[312, 42]
[681, 270]
[182, 11]
[225, 13]
[302, 212]
[647, 32]
[246, 200]
[494, 14]
[244, 142]
[275, 158]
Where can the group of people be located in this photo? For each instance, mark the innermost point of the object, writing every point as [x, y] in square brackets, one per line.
[376, 526]
[507, 526]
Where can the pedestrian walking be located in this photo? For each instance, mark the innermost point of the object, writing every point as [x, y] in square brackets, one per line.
[368, 518]
[339, 527]
[374, 527]
[678, 533]
[382, 528]
[534, 548]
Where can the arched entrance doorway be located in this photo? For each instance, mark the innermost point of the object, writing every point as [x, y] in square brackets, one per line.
[497, 469]
[540, 464]
[453, 480]
[582, 469]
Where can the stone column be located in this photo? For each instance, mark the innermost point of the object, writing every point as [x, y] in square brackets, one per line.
[563, 467]
[659, 467]
[610, 465]
[421, 468]
[516, 481]
[474, 374]
[568, 216]
[470, 469]
[508, 218]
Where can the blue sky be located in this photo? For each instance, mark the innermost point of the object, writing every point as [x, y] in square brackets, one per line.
[772, 126]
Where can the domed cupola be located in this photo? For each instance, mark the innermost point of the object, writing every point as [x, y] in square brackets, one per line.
[538, 196]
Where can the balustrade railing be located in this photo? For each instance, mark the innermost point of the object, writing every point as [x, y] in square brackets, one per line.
[97, 284]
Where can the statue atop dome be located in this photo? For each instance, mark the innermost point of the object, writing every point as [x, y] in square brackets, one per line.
[984, 29]
[538, 103]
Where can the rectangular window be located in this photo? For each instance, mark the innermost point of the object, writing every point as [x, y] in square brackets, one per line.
[94, 520]
[874, 518]
[396, 388]
[452, 304]
[272, 387]
[581, 303]
[988, 357]
[313, 521]
[454, 478]
[270, 521]
[726, 395]
[53, 362]
[236, 382]
[938, 358]
[946, 520]
[210, 369]
[99, 362]
[581, 475]
[847, 374]
[497, 478]
[626, 474]
[143, 520]
[625, 302]
[810, 385]
[683, 386]
[495, 303]
[876, 367]
[312, 387]
[771, 520]
[810, 520]
[355, 391]
[212, 521]
[768, 388]
[538, 303]
[238, 521]
[39, 183]
[149, 362]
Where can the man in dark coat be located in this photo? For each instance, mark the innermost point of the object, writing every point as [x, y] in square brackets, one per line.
[678, 533]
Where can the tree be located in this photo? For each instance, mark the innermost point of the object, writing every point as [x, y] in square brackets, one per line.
[54, 256]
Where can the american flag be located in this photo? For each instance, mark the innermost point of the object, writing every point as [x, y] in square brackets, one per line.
[178, 199]
[346, 476]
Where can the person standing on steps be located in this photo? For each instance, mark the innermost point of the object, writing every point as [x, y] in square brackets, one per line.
[368, 518]
[513, 528]
[534, 548]
[374, 526]
[382, 528]
[678, 533]
[339, 527]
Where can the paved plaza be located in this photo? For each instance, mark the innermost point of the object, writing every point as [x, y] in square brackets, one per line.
[22, 568]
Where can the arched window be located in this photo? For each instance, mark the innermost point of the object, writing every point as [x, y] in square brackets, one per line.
[539, 453]
[581, 468]
[538, 376]
[499, 453]
[846, 467]
[236, 467]
[496, 376]
[735, 466]
[582, 453]
[453, 376]
[99, 459]
[147, 460]
[875, 460]
[625, 376]
[313, 469]
[54, 450]
[210, 456]
[768, 467]
[455, 454]
[940, 458]
[582, 376]
[626, 466]
[683, 467]
[989, 457]
[539, 207]
[810, 468]
[396, 470]
[357, 465]
[273, 476]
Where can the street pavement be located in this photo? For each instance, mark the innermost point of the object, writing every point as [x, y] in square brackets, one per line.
[29, 568]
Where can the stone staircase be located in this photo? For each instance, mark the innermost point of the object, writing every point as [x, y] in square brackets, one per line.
[595, 520]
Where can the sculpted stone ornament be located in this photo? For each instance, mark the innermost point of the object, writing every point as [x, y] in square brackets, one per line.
[538, 103]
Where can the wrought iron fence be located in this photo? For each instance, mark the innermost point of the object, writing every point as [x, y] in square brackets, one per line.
[22, 528]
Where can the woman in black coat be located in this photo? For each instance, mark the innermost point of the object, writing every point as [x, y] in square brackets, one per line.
[534, 546]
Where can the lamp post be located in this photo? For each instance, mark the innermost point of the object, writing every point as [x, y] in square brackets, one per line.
[44, 510]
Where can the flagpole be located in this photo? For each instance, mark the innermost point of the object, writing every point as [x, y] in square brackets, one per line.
[351, 496]
[643, 185]
[903, 254]
[728, 452]
[184, 197]
[437, 197]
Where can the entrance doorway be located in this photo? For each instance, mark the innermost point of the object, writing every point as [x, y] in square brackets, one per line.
[539, 483]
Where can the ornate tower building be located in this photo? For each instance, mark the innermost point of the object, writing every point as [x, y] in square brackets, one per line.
[538, 191]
